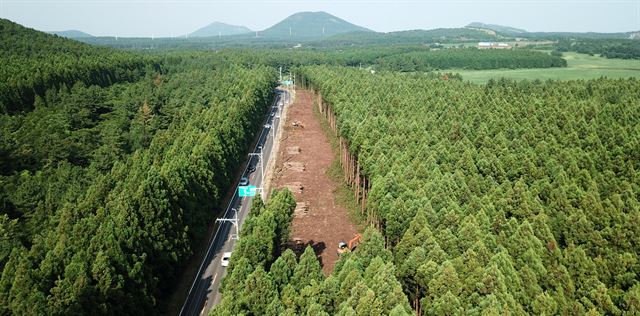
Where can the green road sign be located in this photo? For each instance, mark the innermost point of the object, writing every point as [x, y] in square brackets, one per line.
[249, 190]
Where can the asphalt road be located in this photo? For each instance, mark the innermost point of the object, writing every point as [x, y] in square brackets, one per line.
[203, 294]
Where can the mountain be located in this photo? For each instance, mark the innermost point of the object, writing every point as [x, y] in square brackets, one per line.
[219, 28]
[498, 28]
[311, 24]
[72, 34]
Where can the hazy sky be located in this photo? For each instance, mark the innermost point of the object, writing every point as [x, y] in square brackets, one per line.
[175, 17]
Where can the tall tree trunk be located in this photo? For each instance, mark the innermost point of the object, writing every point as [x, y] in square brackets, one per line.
[357, 180]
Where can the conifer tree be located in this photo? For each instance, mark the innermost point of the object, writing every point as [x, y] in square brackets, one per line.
[282, 269]
[259, 292]
[307, 270]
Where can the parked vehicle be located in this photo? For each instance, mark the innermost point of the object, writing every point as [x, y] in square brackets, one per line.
[225, 259]
[244, 181]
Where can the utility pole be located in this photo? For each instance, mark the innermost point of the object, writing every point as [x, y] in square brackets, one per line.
[233, 221]
[290, 32]
[281, 74]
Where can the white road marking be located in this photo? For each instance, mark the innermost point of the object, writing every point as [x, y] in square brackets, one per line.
[203, 307]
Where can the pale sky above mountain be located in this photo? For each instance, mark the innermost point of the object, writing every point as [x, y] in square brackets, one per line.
[174, 18]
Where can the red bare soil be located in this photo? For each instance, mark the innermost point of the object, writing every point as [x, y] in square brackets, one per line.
[302, 162]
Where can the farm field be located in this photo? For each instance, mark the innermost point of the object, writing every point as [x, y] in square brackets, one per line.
[579, 66]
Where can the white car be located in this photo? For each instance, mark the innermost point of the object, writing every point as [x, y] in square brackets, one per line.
[267, 125]
[225, 259]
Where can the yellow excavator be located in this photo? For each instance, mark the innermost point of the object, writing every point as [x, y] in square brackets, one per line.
[344, 247]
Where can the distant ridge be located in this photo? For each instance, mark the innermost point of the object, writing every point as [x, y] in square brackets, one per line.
[311, 24]
[72, 34]
[219, 28]
[497, 28]
[634, 35]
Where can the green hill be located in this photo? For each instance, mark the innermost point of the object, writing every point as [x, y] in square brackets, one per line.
[219, 28]
[34, 62]
[498, 28]
[72, 34]
[309, 25]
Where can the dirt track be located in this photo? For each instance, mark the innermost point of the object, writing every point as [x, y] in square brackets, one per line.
[302, 162]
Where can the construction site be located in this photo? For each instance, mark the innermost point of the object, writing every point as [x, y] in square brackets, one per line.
[302, 163]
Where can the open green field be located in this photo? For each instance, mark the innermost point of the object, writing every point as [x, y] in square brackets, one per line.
[580, 66]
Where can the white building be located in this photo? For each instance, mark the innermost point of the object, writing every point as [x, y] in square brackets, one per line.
[495, 45]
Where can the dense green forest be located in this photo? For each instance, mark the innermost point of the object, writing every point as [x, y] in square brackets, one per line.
[505, 198]
[106, 186]
[519, 197]
[470, 58]
[34, 62]
[260, 282]
[394, 58]
[411, 37]
[610, 48]
[509, 198]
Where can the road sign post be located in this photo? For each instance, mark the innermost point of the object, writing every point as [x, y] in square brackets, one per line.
[248, 190]
[261, 165]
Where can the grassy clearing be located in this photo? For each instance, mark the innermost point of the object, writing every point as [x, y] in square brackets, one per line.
[580, 66]
[344, 195]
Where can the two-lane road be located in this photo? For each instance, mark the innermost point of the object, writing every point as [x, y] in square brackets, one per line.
[203, 294]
